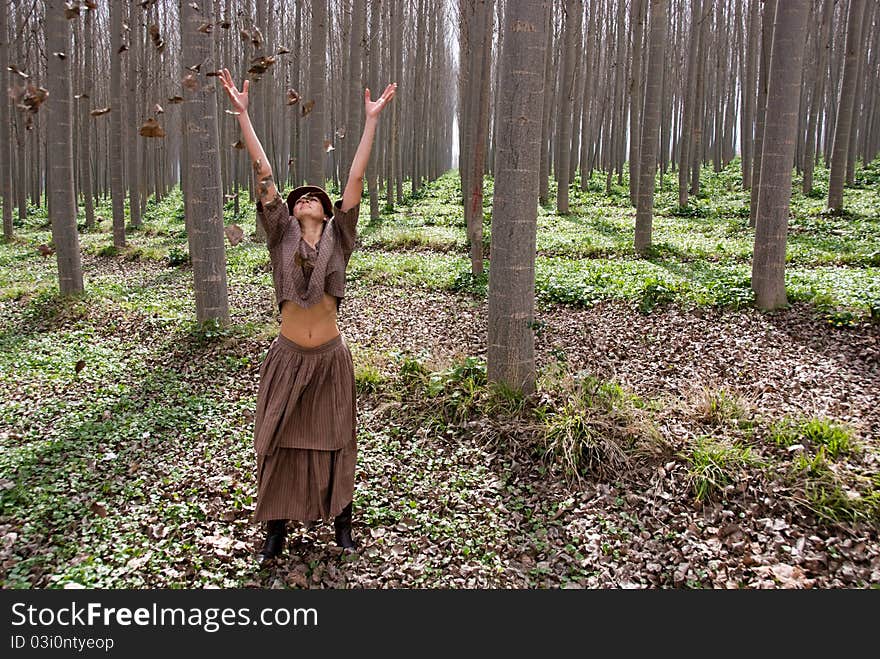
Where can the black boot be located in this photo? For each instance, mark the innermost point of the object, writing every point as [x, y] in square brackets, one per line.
[276, 529]
[342, 525]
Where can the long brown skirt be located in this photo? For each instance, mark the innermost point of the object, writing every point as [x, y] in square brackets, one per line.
[305, 431]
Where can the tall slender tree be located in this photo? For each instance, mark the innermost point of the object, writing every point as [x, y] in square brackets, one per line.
[5, 141]
[203, 195]
[510, 353]
[317, 96]
[780, 139]
[651, 126]
[637, 27]
[117, 185]
[840, 149]
[822, 46]
[685, 153]
[62, 198]
[134, 82]
[573, 13]
[761, 108]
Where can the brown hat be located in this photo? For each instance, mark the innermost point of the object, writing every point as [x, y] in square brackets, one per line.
[296, 193]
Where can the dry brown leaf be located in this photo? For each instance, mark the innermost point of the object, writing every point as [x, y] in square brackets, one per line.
[71, 9]
[151, 128]
[98, 509]
[234, 233]
[190, 82]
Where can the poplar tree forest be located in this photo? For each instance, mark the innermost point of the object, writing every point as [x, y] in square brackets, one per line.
[613, 306]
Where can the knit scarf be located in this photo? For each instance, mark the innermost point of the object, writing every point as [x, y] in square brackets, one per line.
[308, 265]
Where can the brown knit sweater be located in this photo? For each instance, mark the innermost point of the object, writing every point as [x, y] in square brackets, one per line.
[303, 273]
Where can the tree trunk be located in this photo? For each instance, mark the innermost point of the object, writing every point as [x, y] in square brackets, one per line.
[635, 94]
[88, 188]
[134, 81]
[858, 110]
[317, 118]
[203, 196]
[822, 47]
[651, 128]
[353, 120]
[375, 85]
[5, 141]
[761, 109]
[117, 187]
[697, 155]
[511, 342]
[845, 108]
[62, 199]
[549, 77]
[780, 137]
[687, 127]
[573, 13]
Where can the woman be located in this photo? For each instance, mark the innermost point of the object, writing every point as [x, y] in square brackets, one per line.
[305, 423]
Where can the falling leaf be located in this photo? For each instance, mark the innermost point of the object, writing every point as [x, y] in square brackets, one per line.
[60, 55]
[80, 365]
[71, 10]
[212, 74]
[340, 133]
[175, 99]
[158, 109]
[283, 51]
[154, 35]
[190, 82]
[232, 112]
[292, 97]
[234, 233]
[122, 48]
[91, 4]
[100, 111]
[328, 146]
[195, 67]
[151, 128]
[290, 162]
[225, 25]
[238, 145]
[31, 98]
[256, 37]
[261, 64]
[98, 509]
[17, 72]
[206, 28]
[307, 107]
[244, 34]
[194, 5]
[45, 250]
[80, 95]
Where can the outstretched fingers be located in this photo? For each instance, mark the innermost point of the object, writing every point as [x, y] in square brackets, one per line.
[389, 92]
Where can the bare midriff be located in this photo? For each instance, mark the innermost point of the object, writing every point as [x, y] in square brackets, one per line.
[309, 327]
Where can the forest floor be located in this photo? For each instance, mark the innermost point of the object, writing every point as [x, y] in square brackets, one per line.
[671, 442]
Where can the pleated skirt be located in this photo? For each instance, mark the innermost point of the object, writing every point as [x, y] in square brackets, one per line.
[305, 435]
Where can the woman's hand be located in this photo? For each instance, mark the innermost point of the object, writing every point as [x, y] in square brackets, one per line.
[373, 108]
[239, 99]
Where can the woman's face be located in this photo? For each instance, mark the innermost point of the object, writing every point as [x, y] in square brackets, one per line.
[308, 205]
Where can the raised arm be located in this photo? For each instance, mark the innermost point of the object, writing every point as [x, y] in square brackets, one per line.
[354, 188]
[266, 189]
